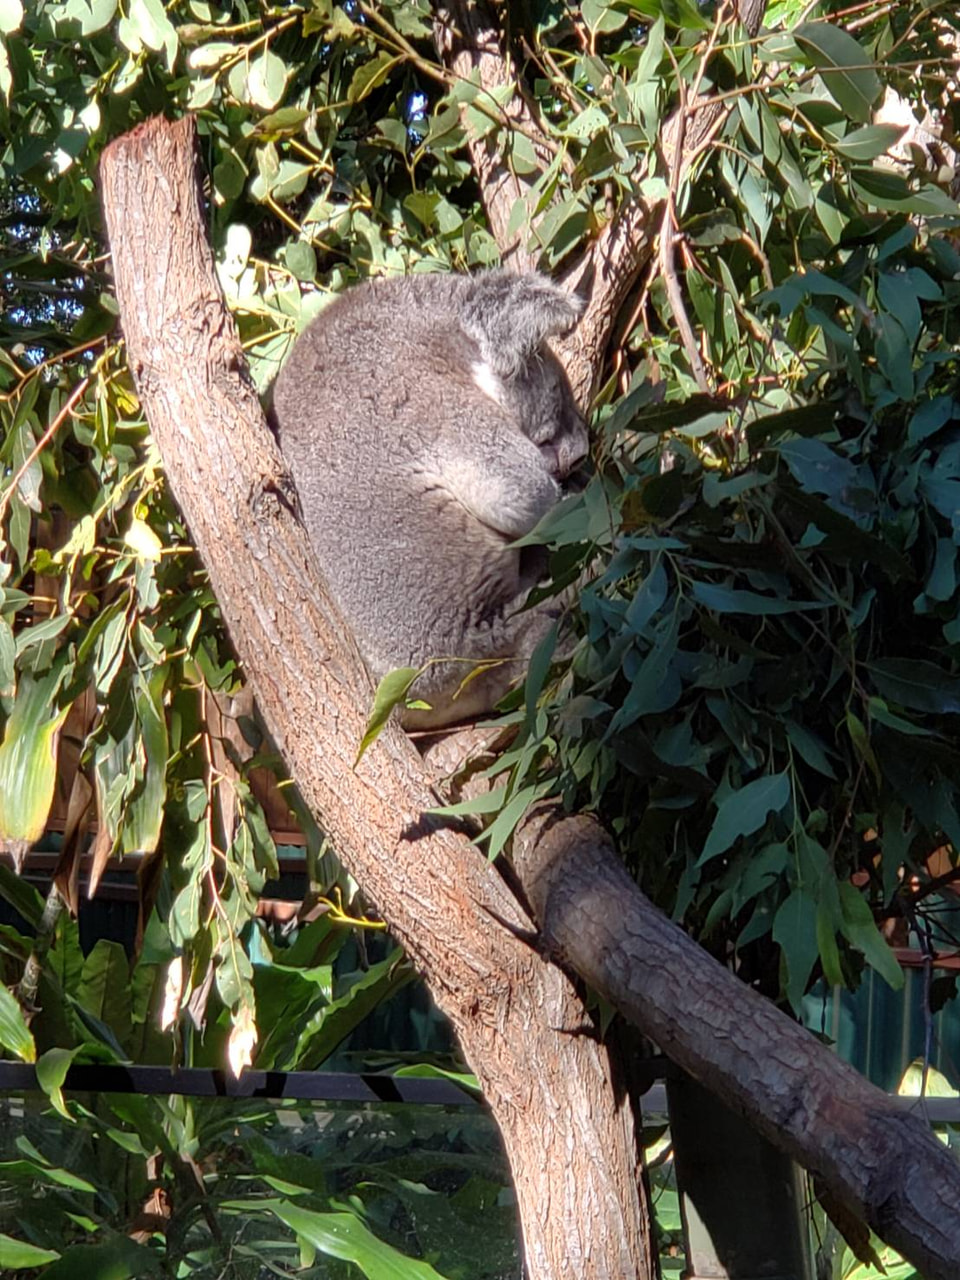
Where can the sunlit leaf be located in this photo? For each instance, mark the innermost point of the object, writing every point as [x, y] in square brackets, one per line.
[343, 1236]
[14, 1032]
[28, 761]
[391, 693]
[844, 64]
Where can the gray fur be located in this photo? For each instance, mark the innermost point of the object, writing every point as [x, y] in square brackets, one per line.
[413, 479]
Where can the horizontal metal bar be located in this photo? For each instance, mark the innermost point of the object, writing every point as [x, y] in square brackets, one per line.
[199, 1082]
[338, 1086]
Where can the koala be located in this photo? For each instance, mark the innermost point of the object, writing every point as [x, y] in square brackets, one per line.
[427, 425]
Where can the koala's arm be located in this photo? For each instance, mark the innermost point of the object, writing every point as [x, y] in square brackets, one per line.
[497, 475]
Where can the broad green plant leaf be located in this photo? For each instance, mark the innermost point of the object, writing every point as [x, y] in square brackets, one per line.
[14, 1032]
[334, 1022]
[884, 189]
[795, 932]
[15, 1254]
[52, 1068]
[28, 760]
[869, 142]
[861, 930]
[114, 1259]
[341, 1235]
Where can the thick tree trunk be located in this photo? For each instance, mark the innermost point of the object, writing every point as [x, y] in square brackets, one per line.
[881, 1162]
[567, 1128]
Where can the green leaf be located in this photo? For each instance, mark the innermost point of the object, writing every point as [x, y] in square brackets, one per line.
[845, 67]
[601, 17]
[104, 989]
[14, 1032]
[29, 1172]
[861, 741]
[17, 1253]
[869, 142]
[930, 416]
[28, 761]
[883, 715]
[52, 1068]
[861, 930]
[806, 420]
[819, 469]
[144, 813]
[267, 80]
[301, 259]
[795, 932]
[334, 1022]
[809, 747]
[887, 190]
[917, 684]
[343, 1236]
[502, 827]
[486, 802]
[679, 13]
[391, 692]
[846, 542]
[729, 600]
[827, 946]
[369, 75]
[537, 672]
[745, 811]
[21, 895]
[149, 19]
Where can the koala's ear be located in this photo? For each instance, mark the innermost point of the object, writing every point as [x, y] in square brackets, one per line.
[510, 316]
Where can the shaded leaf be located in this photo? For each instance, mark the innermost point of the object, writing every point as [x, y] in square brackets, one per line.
[745, 811]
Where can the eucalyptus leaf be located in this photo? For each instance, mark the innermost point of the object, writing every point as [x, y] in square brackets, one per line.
[795, 931]
[846, 68]
[745, 811]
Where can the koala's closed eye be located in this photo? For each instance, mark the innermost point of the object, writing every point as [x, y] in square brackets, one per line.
[426, 425]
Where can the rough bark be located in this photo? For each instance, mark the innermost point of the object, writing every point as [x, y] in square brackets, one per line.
[469, 40]
[567, 1129]
[883, 1163]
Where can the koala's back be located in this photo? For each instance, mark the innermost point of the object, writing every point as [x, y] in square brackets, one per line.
[394, 448]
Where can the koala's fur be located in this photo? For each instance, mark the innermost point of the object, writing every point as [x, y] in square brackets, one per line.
[426, 425]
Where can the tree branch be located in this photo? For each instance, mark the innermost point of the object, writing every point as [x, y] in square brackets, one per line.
[881, 1162]
[469, 40]
[568, 1131]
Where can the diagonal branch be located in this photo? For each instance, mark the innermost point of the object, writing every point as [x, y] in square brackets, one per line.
[567, 1131]
[878, 1160]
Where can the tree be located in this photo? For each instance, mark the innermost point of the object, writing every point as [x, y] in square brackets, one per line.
[664, 765]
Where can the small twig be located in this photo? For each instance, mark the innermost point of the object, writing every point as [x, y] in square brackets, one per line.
[42, 443]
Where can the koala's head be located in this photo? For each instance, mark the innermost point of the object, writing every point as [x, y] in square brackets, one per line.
[510, 318]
